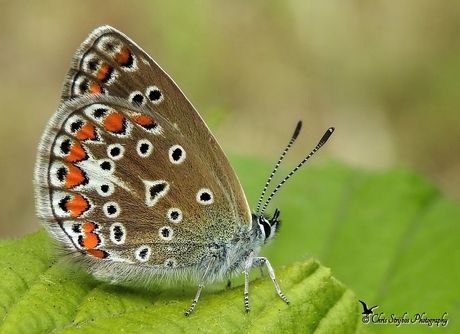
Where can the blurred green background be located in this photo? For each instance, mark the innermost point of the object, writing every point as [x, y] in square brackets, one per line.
[386, 74]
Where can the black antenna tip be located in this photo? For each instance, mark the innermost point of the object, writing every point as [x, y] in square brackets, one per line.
[297, 130]
[326, 135]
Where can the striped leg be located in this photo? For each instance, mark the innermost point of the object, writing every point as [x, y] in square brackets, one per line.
[259, 261]
[200, 287]
[253, 262]
[247, 269]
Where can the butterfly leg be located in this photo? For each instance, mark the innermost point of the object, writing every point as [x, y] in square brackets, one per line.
[200, 287]
[259, 261]
[261, 272]
[247, 269]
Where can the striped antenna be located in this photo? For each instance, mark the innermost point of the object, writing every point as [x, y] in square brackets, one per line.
[323, 141]
[293, 138]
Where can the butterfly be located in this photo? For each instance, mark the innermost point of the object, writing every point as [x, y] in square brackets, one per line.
[133, 186]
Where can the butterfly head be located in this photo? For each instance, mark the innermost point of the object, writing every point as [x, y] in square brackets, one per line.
[266, 225]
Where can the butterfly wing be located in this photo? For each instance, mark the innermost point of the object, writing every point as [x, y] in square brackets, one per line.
[109, 62]
[127, 167]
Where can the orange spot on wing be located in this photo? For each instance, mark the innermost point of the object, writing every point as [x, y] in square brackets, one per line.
[103, 72]
[143, 120]
[88, 227]
[114, 122]
[87, 131]
[74, 176]
[77, 153]
[122, 57]
[90, 240]
[77, 205]
[97, 253]
[95, 88]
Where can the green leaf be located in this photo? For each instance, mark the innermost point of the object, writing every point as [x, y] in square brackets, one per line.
[390, 236]
[39, 296]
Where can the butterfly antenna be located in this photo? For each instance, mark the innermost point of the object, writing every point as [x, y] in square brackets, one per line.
[293, 138]
[323, 141]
